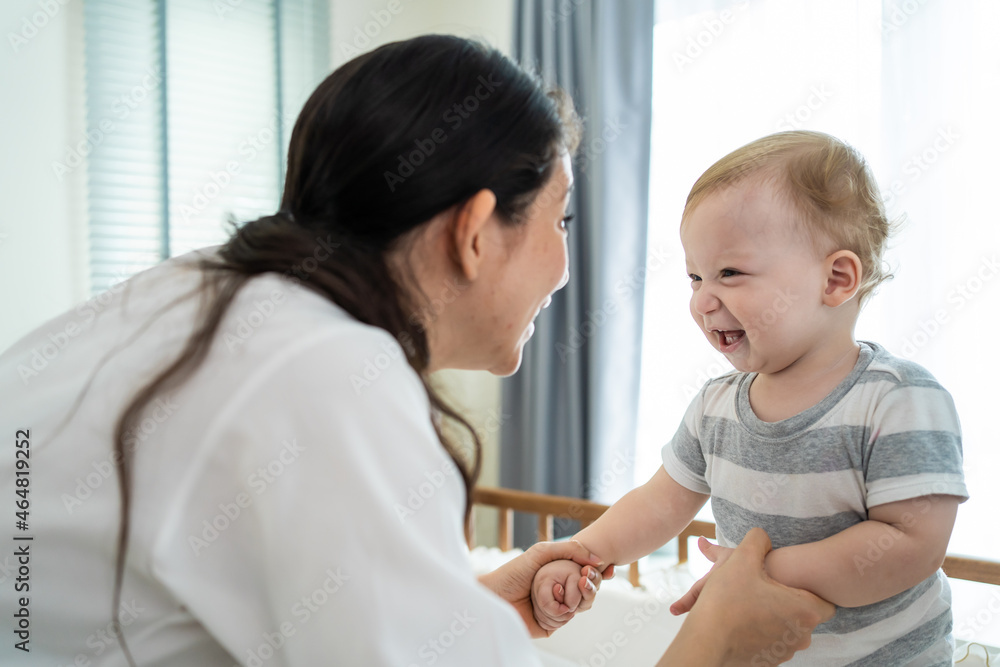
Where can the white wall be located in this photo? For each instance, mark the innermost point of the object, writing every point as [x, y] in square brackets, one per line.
[361, 25]
[42, 229]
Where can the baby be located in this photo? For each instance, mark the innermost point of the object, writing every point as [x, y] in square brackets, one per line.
[849, 458]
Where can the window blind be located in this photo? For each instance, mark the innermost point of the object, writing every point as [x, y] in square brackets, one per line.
[189, 107]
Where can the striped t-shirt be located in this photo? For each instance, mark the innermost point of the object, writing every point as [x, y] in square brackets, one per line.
[888, 432]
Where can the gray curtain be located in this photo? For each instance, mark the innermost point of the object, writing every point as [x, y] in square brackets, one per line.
[573, 405]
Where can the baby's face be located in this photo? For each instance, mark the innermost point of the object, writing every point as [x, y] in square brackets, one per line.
[756, 278]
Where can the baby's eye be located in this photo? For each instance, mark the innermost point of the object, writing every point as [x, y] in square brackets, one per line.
[729, 273]
[694, 278]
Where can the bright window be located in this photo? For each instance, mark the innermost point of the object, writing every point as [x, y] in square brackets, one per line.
[915, 86]
[189, 109]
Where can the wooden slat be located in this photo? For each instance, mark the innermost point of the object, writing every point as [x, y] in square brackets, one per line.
[694, 529]
[985, 571]
[545, 528]
[633, 574]
[539, 503]
[506, 530]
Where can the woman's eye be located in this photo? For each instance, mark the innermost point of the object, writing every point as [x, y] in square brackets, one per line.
[565, 221]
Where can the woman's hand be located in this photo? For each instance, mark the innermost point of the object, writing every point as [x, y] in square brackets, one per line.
[715, 553]
[512, 581]
[743, 617]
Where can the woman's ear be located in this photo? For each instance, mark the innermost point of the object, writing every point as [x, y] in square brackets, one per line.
[468, 230]
[843, 277]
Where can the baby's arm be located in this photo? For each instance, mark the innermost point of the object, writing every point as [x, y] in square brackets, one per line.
[900, 545]
[644, 520]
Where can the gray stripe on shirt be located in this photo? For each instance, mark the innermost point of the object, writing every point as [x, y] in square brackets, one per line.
[915, 452]
[739, 520]
[851, 619]
[831, 449]
[912, 644]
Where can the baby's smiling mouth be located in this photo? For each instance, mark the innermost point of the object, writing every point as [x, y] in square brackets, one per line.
[729, 338]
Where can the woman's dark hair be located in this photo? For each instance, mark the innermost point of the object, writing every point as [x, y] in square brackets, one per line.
[384, 144]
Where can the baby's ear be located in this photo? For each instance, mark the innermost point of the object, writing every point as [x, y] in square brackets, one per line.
[843, 277]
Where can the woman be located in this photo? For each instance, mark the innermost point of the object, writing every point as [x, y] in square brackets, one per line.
[241, 454]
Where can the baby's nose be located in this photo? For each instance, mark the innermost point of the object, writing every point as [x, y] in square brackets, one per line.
[704, 302]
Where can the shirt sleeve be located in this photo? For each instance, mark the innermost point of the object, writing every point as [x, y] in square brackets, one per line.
[322, 524]
[683, 458]
[915, 448]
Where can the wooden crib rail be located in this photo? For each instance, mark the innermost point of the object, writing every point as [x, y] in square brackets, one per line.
[547, 507]
[971, 569]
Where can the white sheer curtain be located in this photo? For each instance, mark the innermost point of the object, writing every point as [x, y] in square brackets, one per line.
[915, 85]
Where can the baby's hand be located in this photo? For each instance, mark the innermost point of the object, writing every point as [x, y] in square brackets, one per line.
[561, 589]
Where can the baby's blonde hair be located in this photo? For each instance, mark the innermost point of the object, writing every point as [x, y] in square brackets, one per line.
[827, 181]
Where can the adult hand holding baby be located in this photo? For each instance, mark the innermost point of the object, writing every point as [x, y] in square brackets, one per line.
[513, 583]
[741, 614]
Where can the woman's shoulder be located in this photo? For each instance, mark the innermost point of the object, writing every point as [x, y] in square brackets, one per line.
[273, 316]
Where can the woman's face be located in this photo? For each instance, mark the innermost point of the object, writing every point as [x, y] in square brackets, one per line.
[536, 266]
